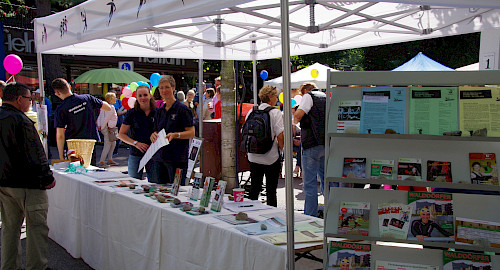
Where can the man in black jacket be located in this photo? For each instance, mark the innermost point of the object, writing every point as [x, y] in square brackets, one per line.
[24, 177]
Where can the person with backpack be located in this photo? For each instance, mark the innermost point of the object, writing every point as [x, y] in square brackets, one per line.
[262, 139]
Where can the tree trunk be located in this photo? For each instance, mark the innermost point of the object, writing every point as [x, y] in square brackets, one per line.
[228, 125]
[51, 62]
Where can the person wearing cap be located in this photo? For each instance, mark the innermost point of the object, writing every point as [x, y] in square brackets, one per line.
[24, 177]
[37, 100]
[424, 226]
[75, 117]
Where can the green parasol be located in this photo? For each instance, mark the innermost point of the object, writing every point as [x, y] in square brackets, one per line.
[110, 75]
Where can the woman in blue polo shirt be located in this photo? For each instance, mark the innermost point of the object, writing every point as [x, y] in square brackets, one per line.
[139, 121]
[177, 120]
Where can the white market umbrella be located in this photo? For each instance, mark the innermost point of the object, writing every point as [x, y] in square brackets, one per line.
[304, 75]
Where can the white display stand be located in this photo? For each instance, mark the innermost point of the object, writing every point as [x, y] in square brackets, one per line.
[394, 146]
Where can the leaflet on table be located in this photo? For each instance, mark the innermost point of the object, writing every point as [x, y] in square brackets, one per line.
[219, 196]
[465, 260]
[410, 169]
[313, 226]
[194, 150]
[231, 219]
[195, 190]
[478, 109]
[349, 116]
[354, 167]
[160, 142]
[104, 174]
[394, 220]
[282, 215]
[483, 168]
[432, 216]
[245, 206]
[381, 169]
[345, 255]
[384, 265]
[354, 218]
[433, 110]
[298, 237]
[383, 108]
[273, 225]
[477, 232]
[439, 171]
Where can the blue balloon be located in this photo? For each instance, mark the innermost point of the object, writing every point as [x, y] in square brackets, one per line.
[264, 74]
[154, 79]
[294, 102]
[144, 83]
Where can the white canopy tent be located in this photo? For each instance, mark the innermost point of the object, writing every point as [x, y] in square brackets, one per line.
[250, 30]
[474, 66]
[305, 75]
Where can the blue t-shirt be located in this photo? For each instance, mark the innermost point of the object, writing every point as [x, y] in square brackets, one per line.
[141, 127]
[49, 106]
[176, 119]
[77, 115]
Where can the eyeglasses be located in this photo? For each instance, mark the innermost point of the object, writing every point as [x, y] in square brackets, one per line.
[30, 98]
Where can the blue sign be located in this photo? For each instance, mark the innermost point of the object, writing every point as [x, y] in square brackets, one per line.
[126, 66]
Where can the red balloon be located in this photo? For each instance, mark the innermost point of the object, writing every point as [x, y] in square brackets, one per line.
[125, 103]
[133, 93]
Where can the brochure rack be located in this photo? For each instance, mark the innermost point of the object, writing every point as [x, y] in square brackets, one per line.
[393, 146]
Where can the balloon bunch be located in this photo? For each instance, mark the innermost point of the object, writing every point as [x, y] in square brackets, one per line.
[154, 79]
[13, 65]
[295, 101]
[128, 96]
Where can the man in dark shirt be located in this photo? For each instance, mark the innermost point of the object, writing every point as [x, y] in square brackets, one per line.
[24, 177]
[75, 117]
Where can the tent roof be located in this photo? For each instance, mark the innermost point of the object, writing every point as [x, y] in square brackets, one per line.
[474, 66]
[304, 75]
[422, 62]
[225, 29]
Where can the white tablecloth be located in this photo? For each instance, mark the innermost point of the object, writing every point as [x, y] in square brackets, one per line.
[113, 228]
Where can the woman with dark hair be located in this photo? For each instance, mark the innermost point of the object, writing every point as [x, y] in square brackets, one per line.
[139, 121]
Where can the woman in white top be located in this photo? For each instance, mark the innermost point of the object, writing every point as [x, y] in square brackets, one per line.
[105, 121]
[268, 164]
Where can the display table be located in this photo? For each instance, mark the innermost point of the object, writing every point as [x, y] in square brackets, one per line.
[113, 228]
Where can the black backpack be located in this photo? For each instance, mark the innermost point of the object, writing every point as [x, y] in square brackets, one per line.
[256, 135]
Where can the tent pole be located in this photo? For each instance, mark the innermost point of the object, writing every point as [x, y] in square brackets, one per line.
[254, 71]
[42, 95]
[200, 105]
[285, 66]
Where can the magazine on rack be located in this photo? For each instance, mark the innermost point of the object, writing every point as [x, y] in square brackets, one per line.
[483, 168]
[432, 216]
[465, 260]
[381, 169]
[394, 220]
[384, 265]
[477, 232]
[349, 116]
[354, 218]
[345, 255]
[354, 168]
[439, 171]
[410, 169]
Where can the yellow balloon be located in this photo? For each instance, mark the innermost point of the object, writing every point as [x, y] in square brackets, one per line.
[280, 97]
[314, 73]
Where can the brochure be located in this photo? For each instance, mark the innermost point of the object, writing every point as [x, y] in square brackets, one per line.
[345, 255]
[354, 218]
[195, 190]
[354, 168]
[394, 220]
[478, 110]
[273, 225]
[410, 169]
[477, 232]
[349, 116]
[298, 237]
[177, 182]
[439, 171]
[465, 260]
[313, 226]
[381, 169]
[483, 168]
[383, 265]
[383, 108]
[207, 191]
[432, 216]
[219, 196]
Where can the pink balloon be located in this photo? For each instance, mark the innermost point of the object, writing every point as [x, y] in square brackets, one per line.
[12, 64]
[127, 92]
[298, 98]
[131, 102]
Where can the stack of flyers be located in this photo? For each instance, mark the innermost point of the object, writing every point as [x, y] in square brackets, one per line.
[354, 218]
[410, 169]
[394, 220]
[465, 260]
[195, 190]
[219, 196]
[345, 255]
[381, 169]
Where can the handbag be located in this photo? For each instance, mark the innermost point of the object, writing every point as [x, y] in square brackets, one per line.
[113, 134]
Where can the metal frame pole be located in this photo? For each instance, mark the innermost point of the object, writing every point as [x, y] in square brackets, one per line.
[200, 104]
[254, 71]
[285, 65]
[42, 94]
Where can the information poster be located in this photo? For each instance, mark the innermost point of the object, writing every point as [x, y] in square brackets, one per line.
[349, 116]
[433, 110]
[479, 108]
[383, 108]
